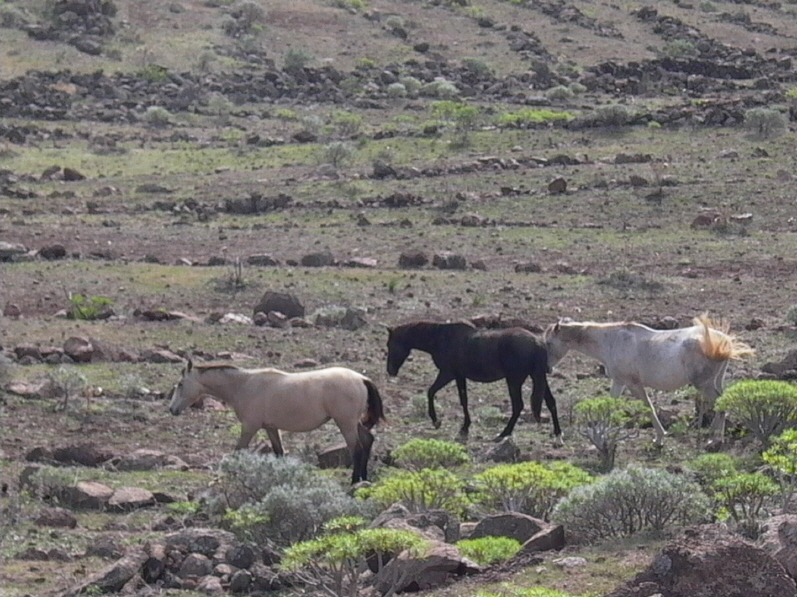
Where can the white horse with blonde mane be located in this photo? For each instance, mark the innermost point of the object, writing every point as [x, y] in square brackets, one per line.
[636, 356]
[271, 399]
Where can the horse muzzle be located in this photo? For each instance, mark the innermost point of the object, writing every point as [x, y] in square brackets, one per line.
[175, 410]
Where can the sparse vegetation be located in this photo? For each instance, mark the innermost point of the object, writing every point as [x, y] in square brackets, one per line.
[489, 550]
[163, 216]
[277, 499]
[765, 407]
[419, 454]
[631, 500]
[606, 422]
[765, 122]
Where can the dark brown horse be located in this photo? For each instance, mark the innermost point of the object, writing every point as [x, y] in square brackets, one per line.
[461, 351]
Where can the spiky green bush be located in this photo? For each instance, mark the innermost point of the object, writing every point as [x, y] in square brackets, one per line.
[628, 501]
[744, 494]
[334, 563]
[527, 116]
[528, 487]
[764, 407]
[605, 422]
[489, 550]
[782, 458]
[708, 468]
[419, 454]
[420, 491]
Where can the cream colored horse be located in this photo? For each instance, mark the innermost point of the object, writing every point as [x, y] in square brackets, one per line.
[636, 356]
[271, 399]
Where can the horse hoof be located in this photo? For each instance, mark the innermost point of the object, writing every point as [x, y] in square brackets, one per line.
[436, 424]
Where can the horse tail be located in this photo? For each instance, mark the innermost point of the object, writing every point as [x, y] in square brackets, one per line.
[375, 412]
[717, 343]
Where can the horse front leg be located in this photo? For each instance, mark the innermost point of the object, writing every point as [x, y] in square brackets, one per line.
[462, 389]
[247, 433]
[550, 402]
[441, 381]
[276, 440]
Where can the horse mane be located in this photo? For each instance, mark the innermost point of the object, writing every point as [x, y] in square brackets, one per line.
[717, 342]
[211, 366]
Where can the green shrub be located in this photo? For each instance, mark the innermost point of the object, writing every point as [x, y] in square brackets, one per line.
[744, 494]
[577, 88]
[347, 123]
[612, 115]
[279, 499]
[489, 550]
[296, 59]
[396, 90]
[527, 116]
[411, 84]
[708, 6]
[605, 422]
[334, 563]
[628, 501]
[782, 458]
[66, 382]
[515, 591]
[89, 308]
[764, 407]
[708, 468]
[419, 491]
[440, 88]
[679, 48]
[12, 17]
[560, 93]
[528, 487]
[419, 454]
[336, 153]
[243, 18]
[791, 315]
[765, 122]
[476, 65]
[157, 116]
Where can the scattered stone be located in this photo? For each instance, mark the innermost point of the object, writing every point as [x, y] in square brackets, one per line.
[52, 252]
[112, 578]
[79, 349]
[262, 260]
[126, 499]
[449, 260]
[87, 495]
[72, 175]
[56, 517]
[413, 259]
[320, 259]
[528, 267]
[85, 454]
[285, 303]
[557, 186]
[707, 562]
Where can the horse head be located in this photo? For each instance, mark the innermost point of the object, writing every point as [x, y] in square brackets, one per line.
[186, 391]
[397, 352]
[554, 342]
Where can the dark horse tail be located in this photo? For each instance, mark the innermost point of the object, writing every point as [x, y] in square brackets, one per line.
[375, 412]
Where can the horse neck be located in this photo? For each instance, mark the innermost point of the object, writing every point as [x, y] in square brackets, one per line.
[425, 336]
[222, 383]
[594, 340]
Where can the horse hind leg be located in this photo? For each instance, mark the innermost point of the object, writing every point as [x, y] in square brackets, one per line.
[516, 397]
[361, 454]
[640, 394]
[359, 440]
[275, 439]
[462, 389]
